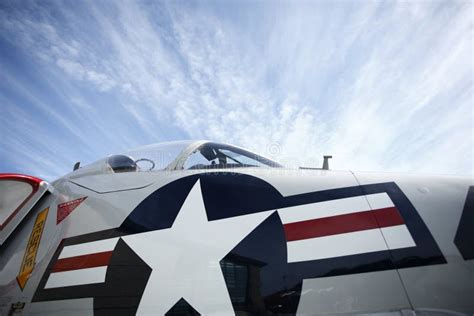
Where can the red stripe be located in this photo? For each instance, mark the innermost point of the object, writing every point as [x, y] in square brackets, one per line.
[20, 177]
[389, 216]
[341, 224]
[83, 262]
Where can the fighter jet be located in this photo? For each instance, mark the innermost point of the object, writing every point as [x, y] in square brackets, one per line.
[204, 228]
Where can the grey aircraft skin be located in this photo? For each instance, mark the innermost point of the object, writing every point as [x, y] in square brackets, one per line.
[202, 228]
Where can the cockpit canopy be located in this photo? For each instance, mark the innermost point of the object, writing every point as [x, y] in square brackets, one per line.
[179, 155]
[195, 155]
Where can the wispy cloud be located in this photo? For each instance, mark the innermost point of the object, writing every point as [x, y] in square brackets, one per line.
[381, 86]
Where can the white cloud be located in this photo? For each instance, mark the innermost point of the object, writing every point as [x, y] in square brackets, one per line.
[72, 68]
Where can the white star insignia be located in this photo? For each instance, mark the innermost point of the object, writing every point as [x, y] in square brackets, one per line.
[185, 258]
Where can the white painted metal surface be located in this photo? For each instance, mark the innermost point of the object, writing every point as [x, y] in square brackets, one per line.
[76, 277]
[185, 258]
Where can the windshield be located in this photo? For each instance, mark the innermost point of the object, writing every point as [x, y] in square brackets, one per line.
[157, 156]
[218, 156]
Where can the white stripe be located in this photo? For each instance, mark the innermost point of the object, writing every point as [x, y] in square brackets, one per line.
[87, 248]
[379, 200]
[336, 245]
[398, 237]
[332, 208]
[76, 277]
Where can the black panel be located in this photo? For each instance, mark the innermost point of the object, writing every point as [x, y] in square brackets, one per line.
[120, 294]
[262, 256]
[159, 209]
[125, 281]
[182, 308]
[321, 196]
[99, 235]
[237, 194]
[464, 238]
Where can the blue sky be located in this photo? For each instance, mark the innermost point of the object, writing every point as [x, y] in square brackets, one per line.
[383, 86]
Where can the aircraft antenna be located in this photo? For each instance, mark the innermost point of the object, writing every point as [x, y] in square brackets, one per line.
[326, 162]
